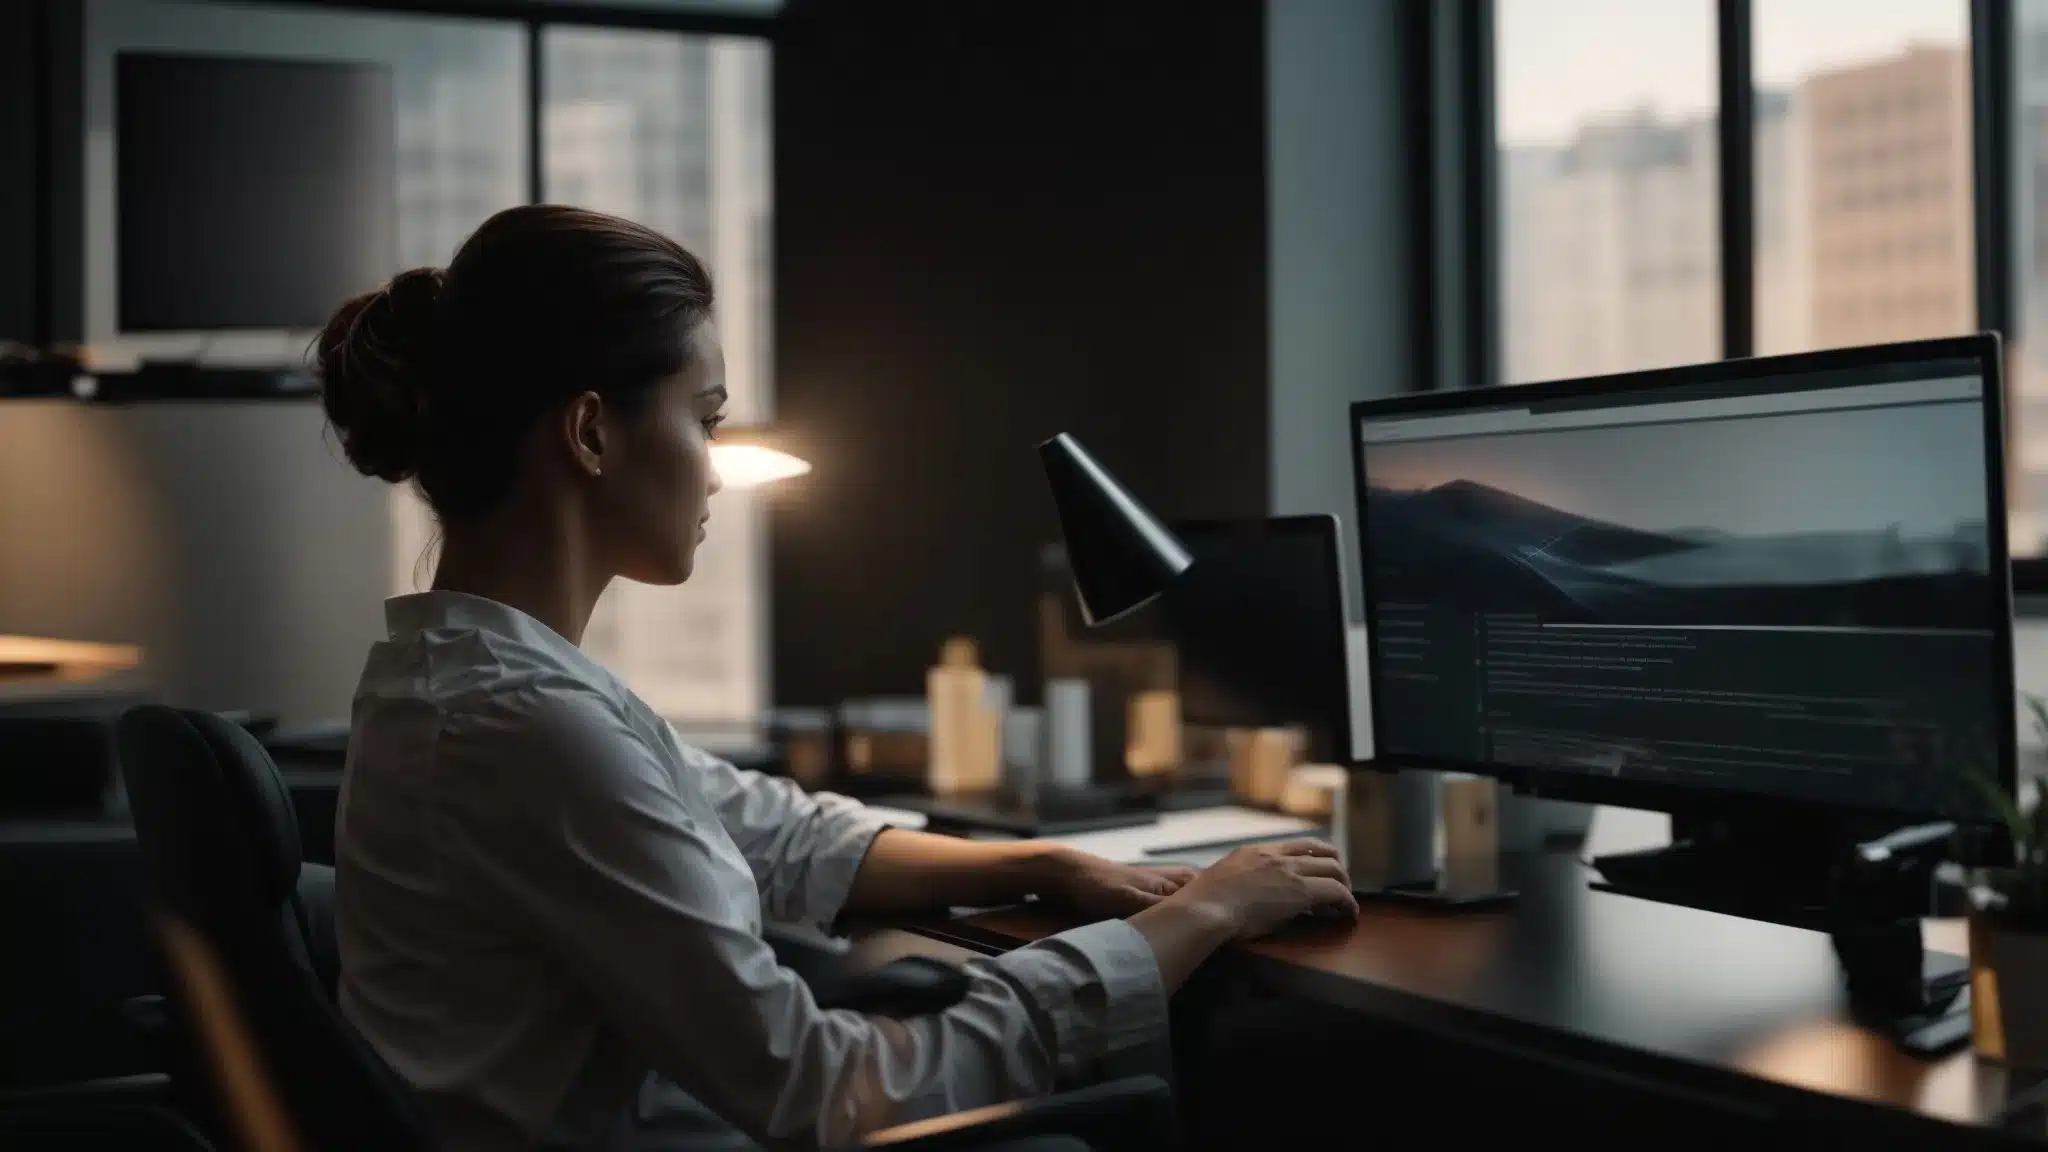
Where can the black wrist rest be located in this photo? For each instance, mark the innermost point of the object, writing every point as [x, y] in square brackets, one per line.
[911, 986]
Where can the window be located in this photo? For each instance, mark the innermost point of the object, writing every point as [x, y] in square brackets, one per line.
[672, 130]
[2027, 356]
[1863, 158]
[1869, 216]
[1606, 112]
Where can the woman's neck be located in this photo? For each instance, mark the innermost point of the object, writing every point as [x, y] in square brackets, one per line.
[537, 564]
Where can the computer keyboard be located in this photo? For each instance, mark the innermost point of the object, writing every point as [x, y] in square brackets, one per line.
[1225, 828]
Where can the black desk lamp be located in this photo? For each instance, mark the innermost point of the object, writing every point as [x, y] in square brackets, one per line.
[1121, 556]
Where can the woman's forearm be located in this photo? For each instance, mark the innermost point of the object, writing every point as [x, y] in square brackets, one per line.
[908, 871]
[1183, 932]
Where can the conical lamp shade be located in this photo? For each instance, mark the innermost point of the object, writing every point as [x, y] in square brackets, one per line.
[1120, 554]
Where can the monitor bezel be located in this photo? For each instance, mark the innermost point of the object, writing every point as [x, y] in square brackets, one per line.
[1325, 526]
[1984, 348]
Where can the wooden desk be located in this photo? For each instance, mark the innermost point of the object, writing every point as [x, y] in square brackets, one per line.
[37, 659]
[1733, 1010]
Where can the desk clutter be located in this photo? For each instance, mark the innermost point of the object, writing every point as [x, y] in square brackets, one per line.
[970, 741]
[966, 707]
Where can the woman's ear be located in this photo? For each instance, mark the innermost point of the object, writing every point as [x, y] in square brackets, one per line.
[583, 432]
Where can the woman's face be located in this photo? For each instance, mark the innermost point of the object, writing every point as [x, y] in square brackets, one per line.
[658, 501]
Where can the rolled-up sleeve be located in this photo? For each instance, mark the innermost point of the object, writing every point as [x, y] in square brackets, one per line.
[804, 847]
[609, 869]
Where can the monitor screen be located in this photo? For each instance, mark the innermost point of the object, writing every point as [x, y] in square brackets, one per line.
[1258, 627]
[1776, 577]
[251, 193]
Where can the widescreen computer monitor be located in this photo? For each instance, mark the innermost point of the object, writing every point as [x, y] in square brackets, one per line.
[1258, 629]
[251, 193]
[1781, 579]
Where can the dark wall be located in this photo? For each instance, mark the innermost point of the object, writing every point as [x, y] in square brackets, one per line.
[17, 171]
[997, 221]
[61, 276]
[42, 191]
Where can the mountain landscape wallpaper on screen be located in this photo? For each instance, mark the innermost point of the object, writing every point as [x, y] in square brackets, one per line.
[1868, 516]
[1472, 543]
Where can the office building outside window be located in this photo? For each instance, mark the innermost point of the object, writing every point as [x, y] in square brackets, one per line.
[1877, 239]
[2027, 359]
[1609, 189]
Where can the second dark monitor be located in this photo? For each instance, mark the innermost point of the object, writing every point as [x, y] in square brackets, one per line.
[1258, 626]
[253, 194]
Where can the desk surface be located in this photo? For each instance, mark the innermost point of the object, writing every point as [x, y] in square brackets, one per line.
[1696, 998]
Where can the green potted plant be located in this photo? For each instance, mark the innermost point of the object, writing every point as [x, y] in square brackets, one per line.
[2009, 930]
[2034, 761]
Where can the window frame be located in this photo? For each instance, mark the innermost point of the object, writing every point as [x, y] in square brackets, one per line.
[1461, 107]
[535, 16]
[706, 20]
[51, 25]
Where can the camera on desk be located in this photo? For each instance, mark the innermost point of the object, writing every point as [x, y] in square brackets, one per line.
[1879, 893]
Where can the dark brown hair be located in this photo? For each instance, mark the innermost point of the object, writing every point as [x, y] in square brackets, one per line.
[439, 376]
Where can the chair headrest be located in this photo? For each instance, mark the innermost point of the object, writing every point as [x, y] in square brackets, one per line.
[213, 818]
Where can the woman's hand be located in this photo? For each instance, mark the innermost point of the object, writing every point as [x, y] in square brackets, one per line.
[1262, 886]
[1103, 888]
[1247, 893]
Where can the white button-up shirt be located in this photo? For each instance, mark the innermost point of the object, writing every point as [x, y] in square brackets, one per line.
[543, 895]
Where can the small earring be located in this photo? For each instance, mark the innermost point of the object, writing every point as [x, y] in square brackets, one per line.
[597, 471]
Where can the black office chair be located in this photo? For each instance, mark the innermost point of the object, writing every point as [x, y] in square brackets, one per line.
[220, 852]
[220, 846]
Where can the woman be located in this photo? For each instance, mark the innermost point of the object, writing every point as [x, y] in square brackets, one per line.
[544, 894]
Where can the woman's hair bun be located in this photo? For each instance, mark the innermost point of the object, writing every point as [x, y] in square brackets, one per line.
[376, 366]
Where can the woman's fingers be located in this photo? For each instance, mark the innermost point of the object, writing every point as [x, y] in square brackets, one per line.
[1322, 866]
[1328, 892]
[1138, 897]
[1305, 848]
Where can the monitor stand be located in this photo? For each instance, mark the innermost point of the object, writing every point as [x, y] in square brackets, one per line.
[1795, 870]
[1463, 818]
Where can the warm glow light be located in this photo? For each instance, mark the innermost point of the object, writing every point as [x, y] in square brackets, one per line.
[64, 659]
[750, 465]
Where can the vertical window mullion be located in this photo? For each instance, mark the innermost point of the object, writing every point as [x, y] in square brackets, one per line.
[1991, 82]
[1737, 164]
[536, 134]
[1482, 201]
